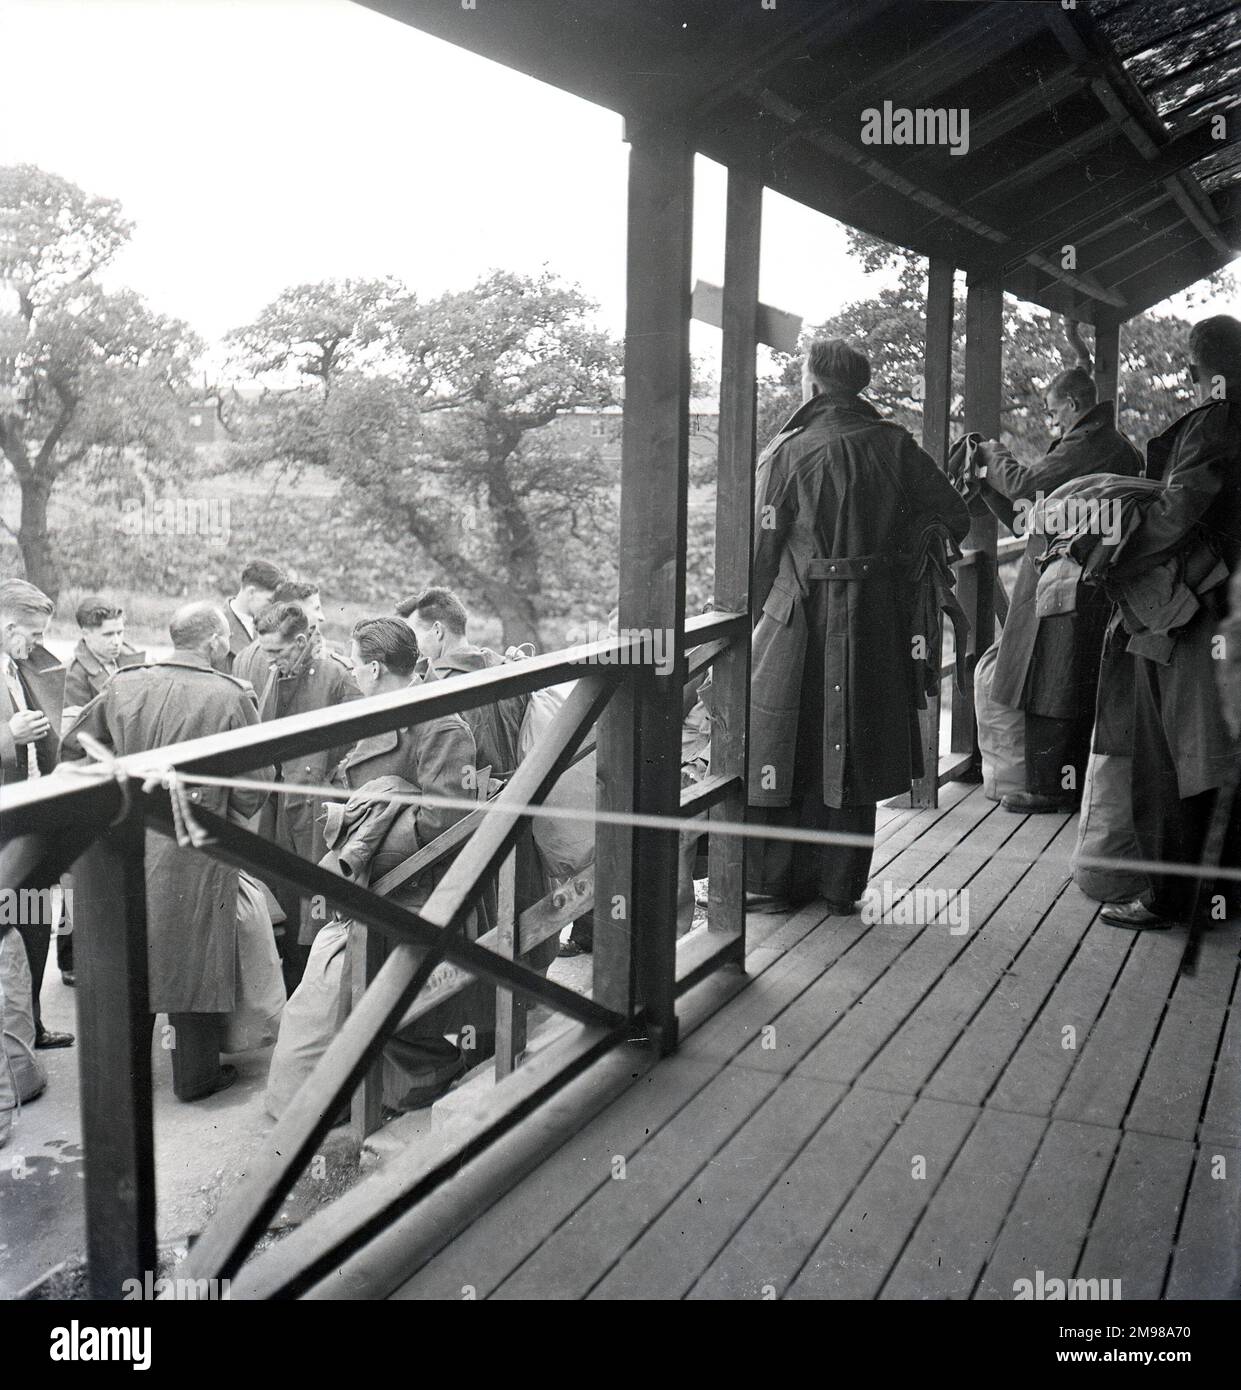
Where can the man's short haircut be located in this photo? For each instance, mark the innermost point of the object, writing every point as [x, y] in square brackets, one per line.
[1075, 384]
[94, 611]
[1215, 345]
[21, 602]
[288, 619]
[294, 591]
[194, 624]
[437, 605]
[262, 575]
[389, 641]
[835, 362]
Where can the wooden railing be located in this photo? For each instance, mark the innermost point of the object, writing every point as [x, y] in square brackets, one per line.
[96, 821]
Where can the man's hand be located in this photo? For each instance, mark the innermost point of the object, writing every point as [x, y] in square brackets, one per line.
[29, 726]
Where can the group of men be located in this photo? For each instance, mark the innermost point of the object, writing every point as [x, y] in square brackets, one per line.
[855, 531]
[845, 502]
[260, 656]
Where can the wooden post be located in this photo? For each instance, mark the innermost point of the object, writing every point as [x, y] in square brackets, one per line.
[114, 1047]
[1107, 359]
[654, 485]
[984, 367]
[734, 519]
[509, 1013]
[367, 952]
[936, 409]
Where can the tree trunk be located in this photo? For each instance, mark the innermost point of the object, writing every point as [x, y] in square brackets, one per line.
[42, 569]
[519, 619]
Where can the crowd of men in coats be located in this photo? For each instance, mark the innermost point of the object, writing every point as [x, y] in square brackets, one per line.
[261, 655]
[855, 532]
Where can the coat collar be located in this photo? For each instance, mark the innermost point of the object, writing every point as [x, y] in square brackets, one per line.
[1101, 415]
[830, 404]
[87, 659]
[372, 746]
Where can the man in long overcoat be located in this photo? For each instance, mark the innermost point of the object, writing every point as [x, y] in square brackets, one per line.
[1048, 666]
[191, 898]
[294, 671]
[1182, 747]
[842, 496]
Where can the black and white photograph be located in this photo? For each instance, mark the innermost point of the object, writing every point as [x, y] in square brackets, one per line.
[621, 640]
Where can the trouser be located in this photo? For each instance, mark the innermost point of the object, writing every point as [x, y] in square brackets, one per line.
[194, 1044]
[1053, 748]
[64, 937]
[37, 937]
[800, 871]
[1170, 827]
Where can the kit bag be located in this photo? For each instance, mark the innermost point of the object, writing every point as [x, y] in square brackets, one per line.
[1001, 734]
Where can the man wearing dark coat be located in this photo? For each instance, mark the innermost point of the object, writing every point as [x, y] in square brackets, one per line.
[842, 498]
[259, 582]
[436, 756]
[31, 696]
[440, 622]
[1048, 665]
[191, 898]
[294, 671]
[1182, 747]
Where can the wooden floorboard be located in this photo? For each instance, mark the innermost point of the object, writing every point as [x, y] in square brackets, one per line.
[907, 1111]
[933, 953]
[1132, 1231]
[768, 1249]
[1112, 1056]
[1047, 1225]
[862, 1244]
[1207, 1261]
[949, 1007]
[958, 1229]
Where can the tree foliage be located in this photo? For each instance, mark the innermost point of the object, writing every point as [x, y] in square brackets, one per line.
[432, 416]
[91, 377]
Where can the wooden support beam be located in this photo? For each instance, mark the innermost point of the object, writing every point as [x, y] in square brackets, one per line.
[989, 126]
[510, 1013]
[984, 334]
[1107, 360]
[640, 739]
[734, 519]
[936, 412]
[954, 54]
[1071, 219]
[114, 1042]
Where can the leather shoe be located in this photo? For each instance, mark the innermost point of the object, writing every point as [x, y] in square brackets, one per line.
[67, 977]
[1032, 804]
[224, 1079]
[46, 1039]
[1135, 915]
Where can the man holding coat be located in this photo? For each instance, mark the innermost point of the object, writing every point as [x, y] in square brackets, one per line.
[842, 498]
[1048, 662]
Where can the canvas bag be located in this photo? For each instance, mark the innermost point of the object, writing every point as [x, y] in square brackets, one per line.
[565, 846]
[21, 1073]
[1106, 830]
[315, 1013]
[260, 1000]
[1001, 734]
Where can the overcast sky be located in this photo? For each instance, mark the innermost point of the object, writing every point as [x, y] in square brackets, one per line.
[263, 143]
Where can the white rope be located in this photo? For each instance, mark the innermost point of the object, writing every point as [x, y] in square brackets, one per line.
[696, 825]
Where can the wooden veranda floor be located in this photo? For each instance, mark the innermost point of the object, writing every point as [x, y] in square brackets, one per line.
[918, 1122]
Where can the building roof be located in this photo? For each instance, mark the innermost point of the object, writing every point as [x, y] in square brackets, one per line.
[1090, 127]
